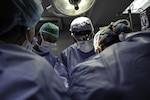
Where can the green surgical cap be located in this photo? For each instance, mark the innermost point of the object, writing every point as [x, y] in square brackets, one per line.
[50, 29]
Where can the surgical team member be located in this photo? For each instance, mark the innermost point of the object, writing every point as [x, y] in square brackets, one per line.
[119, 72]
[108, 35]
[48, 35]
[23, 74]
[82, 32]
[104, 38]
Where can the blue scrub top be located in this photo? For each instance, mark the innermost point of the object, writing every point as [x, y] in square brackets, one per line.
[56, 64]
[71, 56]
[27, 76]
[120, 72]
[49, 56]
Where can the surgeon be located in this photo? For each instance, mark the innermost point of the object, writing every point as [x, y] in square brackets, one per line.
[48, 35]
[82, 31]
[104, 38]
[23, 74]
[118, 72]
[109, 35]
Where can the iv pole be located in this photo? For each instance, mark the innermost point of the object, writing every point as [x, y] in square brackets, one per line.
[130, 18]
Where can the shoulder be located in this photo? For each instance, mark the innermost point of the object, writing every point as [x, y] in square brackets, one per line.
[69, 48]
[95, 62]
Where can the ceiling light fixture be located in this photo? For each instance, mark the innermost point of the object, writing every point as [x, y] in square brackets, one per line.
[70, 7]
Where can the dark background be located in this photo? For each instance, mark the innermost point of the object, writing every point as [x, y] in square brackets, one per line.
[102, 13]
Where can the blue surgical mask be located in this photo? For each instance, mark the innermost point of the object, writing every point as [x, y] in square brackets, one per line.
[26, 44]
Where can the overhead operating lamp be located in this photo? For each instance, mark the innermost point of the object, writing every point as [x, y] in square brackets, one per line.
[71, 7]
[136, 5]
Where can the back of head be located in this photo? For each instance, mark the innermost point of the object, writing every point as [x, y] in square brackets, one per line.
[104, 38]
[50, 29]
[109, 35]
[19, 13]
[81, 26]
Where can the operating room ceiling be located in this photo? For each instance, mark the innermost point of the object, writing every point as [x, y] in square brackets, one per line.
[102, 13]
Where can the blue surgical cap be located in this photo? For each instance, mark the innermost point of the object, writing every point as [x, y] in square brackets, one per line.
[19, 12]
[50, 29]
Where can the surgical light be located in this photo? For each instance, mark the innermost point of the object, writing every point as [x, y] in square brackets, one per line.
[72, 7]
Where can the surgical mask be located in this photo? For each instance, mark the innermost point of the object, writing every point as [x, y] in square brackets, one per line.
[45, 46]
[85, 46]
[26, 44]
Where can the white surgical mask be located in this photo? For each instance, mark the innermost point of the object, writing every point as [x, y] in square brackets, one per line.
[26, 44]
[85, 46]
[45, 46]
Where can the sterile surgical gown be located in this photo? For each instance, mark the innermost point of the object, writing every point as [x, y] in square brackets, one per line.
[55, 62]
[49, 56]
[27, 76]
[120, 72]
[72, 55]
